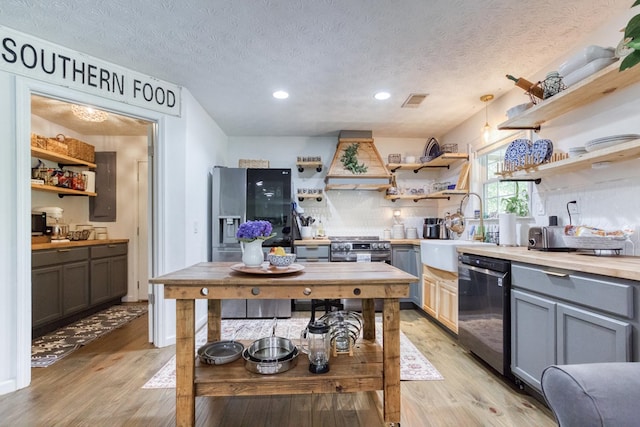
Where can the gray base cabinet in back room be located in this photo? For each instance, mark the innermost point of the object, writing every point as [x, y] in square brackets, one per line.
[566, 317]
[60, 284]
[108, 272]
[70, 283]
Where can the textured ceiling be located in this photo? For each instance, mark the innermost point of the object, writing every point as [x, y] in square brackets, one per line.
[331, 56]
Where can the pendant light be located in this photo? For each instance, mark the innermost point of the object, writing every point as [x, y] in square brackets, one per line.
[486, 129]
[89, 114]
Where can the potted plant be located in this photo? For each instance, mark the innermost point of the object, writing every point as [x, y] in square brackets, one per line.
[632, 40]
[518, 203]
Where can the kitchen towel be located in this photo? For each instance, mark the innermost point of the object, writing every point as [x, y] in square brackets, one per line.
[507, 229]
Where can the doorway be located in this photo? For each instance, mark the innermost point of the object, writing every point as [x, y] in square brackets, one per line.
[131, 138]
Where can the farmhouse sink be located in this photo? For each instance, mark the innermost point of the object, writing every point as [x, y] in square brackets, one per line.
[442, 254]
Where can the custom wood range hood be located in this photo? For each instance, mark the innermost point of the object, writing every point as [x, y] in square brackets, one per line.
[369, 173]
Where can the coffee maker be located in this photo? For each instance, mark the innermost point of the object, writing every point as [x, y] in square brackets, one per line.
[431, 228]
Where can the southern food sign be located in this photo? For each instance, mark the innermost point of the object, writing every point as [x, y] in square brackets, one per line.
[36, 58]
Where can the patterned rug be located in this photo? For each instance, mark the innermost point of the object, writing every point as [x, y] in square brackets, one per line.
[413, 365]
[50, 348]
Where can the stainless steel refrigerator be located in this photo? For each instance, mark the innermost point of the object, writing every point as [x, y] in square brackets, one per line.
[238, 195]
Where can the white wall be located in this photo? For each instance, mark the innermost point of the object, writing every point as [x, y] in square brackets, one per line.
[344, 212]
[606, 198]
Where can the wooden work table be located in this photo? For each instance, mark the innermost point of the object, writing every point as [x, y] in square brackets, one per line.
[369, 369]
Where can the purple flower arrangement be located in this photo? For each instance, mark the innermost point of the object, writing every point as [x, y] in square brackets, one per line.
[253, 230]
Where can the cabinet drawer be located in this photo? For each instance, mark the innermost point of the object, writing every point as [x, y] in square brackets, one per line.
[312, 252]
[58, 256]
[599, 292]
[103, 251]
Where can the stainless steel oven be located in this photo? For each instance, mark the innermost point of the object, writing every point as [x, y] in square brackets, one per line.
[484, 310]
[359, 249]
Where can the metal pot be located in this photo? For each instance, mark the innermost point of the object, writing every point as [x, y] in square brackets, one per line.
[271, 349]
[270, 367]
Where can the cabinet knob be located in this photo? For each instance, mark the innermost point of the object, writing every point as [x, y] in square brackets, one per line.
[204, 291]
[307, 291]
[255, 291]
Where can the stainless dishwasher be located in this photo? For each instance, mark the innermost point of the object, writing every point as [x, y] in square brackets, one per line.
[484, 310]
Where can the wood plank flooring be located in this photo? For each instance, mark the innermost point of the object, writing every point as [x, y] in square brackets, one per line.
[100, 385]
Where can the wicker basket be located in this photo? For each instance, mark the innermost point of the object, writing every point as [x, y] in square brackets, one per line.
[449, 148]
[78, 149]
[395, 158]
[38, 141]
[254, 164]
[57, 146]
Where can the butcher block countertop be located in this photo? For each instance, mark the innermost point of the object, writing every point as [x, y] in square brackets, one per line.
[75, 244]
[326, 241]
[624, 267]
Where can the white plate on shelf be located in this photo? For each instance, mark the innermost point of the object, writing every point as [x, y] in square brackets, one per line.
[609, 141]
[587, 70]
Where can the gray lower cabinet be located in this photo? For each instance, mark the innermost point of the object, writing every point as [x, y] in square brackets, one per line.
[60, 283]
[108, 272]
[68, 283]
[564, 317]
[407, 259]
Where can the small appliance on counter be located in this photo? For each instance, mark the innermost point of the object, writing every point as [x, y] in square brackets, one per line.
[431, 228]
[549, 238]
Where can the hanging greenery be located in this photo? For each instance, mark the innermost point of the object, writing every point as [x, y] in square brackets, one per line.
[349, 159]
[632, 40]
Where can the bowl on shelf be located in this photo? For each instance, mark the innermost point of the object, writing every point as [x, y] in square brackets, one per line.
[426, 159]
[281, 261]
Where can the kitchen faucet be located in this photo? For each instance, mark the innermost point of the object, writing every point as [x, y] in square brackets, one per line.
[479, 234]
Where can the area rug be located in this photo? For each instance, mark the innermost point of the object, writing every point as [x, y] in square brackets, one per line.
[413, 365]
[50, 348]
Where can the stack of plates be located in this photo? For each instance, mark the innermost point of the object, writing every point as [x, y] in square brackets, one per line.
[585, 63]
[609, 141]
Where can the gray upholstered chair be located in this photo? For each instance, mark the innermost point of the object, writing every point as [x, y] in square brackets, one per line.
[594, 394]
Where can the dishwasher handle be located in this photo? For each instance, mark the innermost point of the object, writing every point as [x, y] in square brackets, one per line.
[498, 274]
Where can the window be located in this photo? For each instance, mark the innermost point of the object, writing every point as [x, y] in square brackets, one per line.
[497, 196]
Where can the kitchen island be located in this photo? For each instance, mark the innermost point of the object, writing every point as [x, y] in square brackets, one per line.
[371, 368]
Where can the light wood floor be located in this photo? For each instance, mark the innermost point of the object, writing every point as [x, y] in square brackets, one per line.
[100, 385]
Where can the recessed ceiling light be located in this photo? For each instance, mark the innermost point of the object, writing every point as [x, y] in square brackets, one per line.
[280, 94]
[381, 96]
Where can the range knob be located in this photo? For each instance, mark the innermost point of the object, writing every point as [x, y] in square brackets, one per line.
[387, 245]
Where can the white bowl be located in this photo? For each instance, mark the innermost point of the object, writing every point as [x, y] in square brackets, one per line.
[281, 261]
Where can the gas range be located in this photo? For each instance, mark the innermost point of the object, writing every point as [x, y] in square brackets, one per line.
[359, 249]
